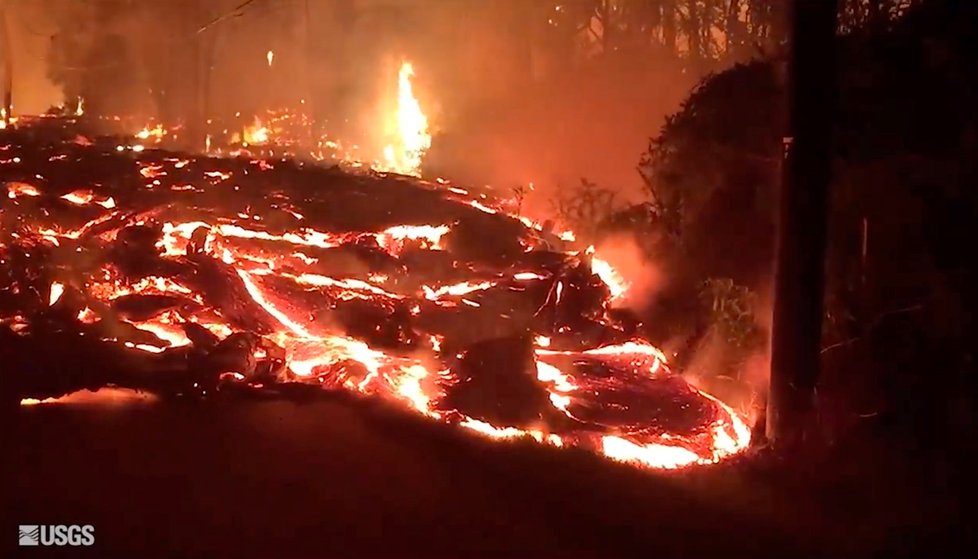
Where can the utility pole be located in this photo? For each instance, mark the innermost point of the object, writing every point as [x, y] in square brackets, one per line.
[801, 237]
[205, 41]
[308, 101]
[8, 64]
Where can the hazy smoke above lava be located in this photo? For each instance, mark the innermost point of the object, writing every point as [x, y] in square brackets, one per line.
[505, 106]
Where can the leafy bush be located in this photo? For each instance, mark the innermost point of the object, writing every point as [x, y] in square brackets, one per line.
[732, 311]
[586, 208]
[733, 331]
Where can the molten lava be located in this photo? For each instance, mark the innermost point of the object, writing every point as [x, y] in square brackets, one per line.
[201, 276]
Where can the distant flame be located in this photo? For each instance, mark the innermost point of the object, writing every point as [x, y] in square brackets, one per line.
[156, 132]
[412, 139]
[256, 134]
[269, 56]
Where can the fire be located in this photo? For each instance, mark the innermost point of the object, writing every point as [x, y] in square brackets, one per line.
[269, 56]
[410, 129]
[616, 283]
[255, 134]
[156, 132]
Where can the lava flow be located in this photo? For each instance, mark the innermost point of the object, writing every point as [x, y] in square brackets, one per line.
[189, 276]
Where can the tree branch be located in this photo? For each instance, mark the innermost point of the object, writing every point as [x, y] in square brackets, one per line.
[236, 12]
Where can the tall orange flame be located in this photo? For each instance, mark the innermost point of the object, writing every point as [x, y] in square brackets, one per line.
[410, 129]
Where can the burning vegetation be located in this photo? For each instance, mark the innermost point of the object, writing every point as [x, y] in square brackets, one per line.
[402, 132]
[198, 276]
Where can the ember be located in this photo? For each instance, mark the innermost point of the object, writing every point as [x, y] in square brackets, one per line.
[202, 276]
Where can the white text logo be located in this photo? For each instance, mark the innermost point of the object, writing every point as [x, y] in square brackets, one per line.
[56, 534]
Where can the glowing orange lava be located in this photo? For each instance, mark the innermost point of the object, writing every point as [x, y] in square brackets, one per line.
[289, 281]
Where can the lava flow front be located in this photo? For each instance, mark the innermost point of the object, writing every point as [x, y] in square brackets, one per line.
[203, 277]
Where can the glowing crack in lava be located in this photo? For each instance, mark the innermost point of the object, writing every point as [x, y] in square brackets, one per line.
[409, 129]
[239, 276]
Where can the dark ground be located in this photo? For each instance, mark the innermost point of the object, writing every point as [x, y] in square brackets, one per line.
[353, 478]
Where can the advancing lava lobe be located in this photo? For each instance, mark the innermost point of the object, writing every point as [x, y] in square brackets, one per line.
[196, 276]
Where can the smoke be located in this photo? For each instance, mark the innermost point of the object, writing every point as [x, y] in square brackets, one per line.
[589, 119]
[645, 278]
[746, 389]
[738, 377]
[30, 25]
